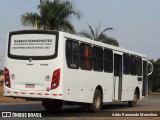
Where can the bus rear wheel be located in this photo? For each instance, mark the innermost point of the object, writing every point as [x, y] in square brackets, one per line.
[97, 102]
[133, 103]
[52, 105]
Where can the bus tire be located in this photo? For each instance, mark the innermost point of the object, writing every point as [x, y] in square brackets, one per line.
[97, 102]
[52, 105]
[133, 103]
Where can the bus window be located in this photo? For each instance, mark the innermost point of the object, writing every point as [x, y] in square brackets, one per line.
[132, 65]
[139, 66]
[72, 54]
[126, 64]
[86, 56]
[108, 60]
[40, 45]
[97, 59]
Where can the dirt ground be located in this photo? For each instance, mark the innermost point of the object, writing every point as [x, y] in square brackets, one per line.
[1, 90]
[9, 99]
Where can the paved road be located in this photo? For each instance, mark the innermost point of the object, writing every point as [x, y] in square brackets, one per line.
[151, 104]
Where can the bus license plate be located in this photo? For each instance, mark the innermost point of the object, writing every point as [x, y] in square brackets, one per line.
[30, 86]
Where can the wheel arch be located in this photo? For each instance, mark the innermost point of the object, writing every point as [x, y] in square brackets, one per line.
[99, 87]
[137, 91]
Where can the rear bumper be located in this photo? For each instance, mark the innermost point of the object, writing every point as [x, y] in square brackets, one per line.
[8, 92]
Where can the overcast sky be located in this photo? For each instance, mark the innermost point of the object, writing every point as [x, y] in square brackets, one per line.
[136, 23]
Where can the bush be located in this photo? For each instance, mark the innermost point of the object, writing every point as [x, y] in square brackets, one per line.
[1, 72]
[1, 82]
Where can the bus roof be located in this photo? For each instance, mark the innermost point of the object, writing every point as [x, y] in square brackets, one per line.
[87, 40]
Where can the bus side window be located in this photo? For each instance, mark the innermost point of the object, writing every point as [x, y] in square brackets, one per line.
[86, 56]
[97, 59]
[126, 64]
[108, 60]
[139, 66]
[132, 65]
[72, 54]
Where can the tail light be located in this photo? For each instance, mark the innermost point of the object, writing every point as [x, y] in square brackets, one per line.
[55, 79]
[7, 78]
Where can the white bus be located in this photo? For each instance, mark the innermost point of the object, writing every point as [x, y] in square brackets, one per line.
[60, 68]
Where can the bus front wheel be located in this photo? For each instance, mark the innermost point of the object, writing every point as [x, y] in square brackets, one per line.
[97, 102]
[52, 105]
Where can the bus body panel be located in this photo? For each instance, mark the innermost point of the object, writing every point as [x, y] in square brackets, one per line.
[128, 87]
[36, 73]
[76, 85]
[107, 85]
[33, 79]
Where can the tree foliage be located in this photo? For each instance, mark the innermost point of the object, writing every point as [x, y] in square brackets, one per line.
[154, 78]
[96, 34]
[53, 15]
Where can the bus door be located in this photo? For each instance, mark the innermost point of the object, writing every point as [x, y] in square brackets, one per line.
[145, 80]
[117, 82]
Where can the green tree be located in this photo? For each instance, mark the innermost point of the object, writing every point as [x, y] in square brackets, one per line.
[53, 15]
[154, 78]
[96, 34]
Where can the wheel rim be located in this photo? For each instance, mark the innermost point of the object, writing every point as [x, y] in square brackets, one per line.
[97, 102]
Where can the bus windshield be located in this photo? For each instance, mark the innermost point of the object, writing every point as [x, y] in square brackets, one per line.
[32, 45]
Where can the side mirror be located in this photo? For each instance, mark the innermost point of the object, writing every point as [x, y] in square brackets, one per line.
[150, 68]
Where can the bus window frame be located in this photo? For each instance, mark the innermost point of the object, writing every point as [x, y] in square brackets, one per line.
[56, 33]
[110, 61]
[97, 59]
[78, 55]
[86, 57]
